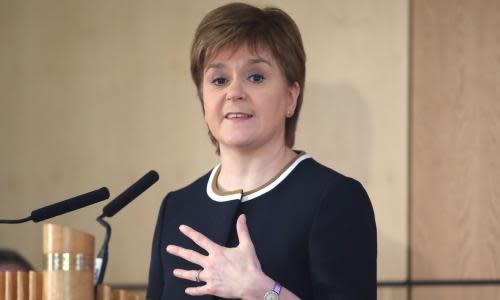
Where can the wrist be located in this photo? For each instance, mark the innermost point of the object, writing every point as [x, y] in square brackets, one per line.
[257, 288]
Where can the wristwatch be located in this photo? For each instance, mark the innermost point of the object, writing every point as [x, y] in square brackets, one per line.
[274, 294]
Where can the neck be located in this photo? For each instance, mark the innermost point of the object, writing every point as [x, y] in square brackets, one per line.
[247, 170]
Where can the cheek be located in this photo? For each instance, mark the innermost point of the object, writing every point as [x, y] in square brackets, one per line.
[209, 109]
[274, 103]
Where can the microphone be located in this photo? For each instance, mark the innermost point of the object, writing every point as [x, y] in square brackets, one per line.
[130, 194]
[110, 210]
[72, 204]
[63, 207]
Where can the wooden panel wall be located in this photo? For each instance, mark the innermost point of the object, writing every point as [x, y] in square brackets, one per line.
[455, 145]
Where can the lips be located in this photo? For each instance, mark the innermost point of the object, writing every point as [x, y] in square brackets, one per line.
[238, 116]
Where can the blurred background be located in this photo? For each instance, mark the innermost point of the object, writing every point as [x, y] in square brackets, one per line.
[403, 95]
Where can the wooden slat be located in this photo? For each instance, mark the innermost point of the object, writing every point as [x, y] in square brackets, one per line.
[456, 293]
[139, 295]
[103, 292]
[22, 286]
[119, 295]
[35, 285]
[127, 295]
[10, 285]
[2, 285]
[455, 173]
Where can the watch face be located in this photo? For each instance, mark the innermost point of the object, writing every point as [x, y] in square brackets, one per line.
[271, 295]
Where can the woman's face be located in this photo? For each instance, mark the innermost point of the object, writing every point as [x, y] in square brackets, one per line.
[246, 99]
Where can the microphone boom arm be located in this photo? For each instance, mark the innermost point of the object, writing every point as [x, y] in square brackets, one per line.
[101, 260]
[18, 221]
[110, 210]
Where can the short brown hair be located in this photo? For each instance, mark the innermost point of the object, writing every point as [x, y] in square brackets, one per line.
[236, 24]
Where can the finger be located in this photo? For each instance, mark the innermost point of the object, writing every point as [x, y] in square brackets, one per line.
[187, 254]
[188, 274]
[199, 291]
[197, 237]
[242, 230]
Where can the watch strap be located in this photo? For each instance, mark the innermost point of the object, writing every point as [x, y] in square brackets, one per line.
[277, 287]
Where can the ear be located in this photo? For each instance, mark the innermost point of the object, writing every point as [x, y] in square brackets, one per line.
[293, 95]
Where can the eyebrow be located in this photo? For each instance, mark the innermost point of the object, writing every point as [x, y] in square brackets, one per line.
[252, 61]
[258, 60]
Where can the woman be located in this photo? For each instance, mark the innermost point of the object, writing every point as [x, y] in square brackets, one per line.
[268, 222]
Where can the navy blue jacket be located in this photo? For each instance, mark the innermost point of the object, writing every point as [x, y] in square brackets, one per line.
[313, 230]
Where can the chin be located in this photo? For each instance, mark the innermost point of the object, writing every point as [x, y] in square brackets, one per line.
[237, 142]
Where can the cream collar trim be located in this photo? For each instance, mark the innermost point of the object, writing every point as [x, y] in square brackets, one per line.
[239, 194]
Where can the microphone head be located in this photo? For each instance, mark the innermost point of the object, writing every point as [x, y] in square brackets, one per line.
[68, 205]
[130, 194]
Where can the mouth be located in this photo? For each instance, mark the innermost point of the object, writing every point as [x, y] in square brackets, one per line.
[238, 116]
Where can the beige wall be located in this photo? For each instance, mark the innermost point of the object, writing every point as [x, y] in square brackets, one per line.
[97, 93]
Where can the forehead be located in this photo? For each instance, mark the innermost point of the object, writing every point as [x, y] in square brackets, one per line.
[242, 53]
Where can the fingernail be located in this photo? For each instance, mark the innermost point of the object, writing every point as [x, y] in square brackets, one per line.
[182, 227]
[169, 248]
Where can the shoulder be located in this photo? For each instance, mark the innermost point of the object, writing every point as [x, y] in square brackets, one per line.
[312, 172]
[336, 191]
[315, 169]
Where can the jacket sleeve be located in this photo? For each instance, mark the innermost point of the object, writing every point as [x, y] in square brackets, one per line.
[343, 244]
[155, 284]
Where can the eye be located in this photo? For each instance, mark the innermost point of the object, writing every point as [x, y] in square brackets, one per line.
[219, 81]
[256, 78]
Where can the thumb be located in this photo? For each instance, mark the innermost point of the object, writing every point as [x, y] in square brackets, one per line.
[242, 230]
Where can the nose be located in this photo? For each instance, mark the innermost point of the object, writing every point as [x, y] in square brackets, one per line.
[235, 91]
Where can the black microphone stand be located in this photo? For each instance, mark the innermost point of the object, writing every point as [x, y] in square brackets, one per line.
[18, 221]
[101, 260]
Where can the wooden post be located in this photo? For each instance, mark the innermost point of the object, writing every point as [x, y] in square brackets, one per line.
[68, 264]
